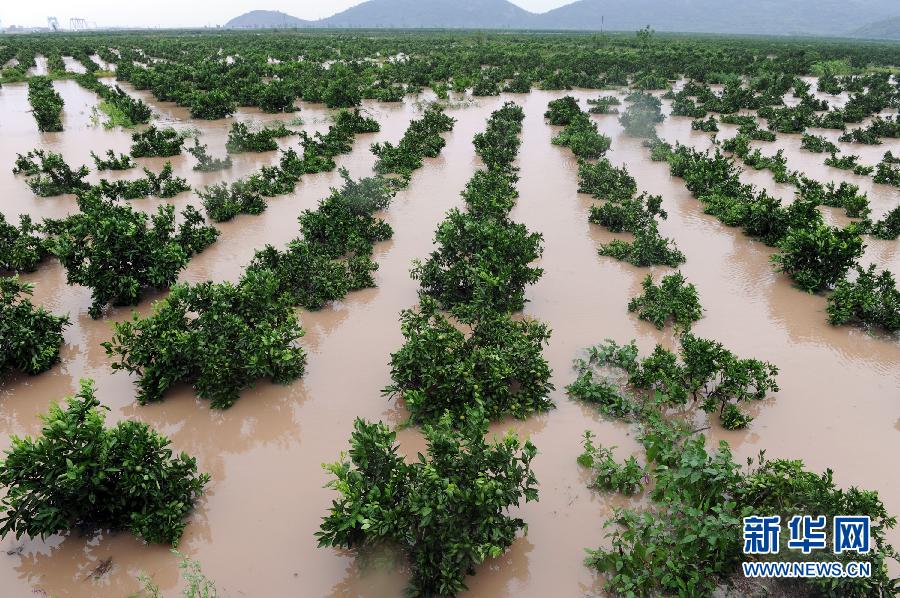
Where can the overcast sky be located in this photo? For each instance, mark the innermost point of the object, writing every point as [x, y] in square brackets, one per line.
[172, 13]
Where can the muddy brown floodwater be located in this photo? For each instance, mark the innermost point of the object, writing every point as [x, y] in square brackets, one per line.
[839, 404]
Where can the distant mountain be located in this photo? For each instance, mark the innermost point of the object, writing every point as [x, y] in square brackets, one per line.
[453, 14]
[885, 29]
[265, 19]
[775, 17]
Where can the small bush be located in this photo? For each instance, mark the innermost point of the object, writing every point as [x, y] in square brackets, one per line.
[219, 337]
[647, 249]
[606, 473]
[30, 337]
[113, 162]
[79, 474]
[582, 137]
[154, 142]
[498, 368]
[605, 181]
[21, 250]
[628, 215]
[51, 175]
[205, 162]
[457, 497]
[818, 256]
[871, 300]
[888, 228]
[642, 116]
[674, 298]
[562, 111]
[241, 138]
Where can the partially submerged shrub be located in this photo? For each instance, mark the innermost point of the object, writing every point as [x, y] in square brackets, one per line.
[79, 474]
[850, 162]
[628, 215]
[30, 337]
[211, 105]
[845, 195]
[887, 172]
[205, 162]
[604, 105]
[243, 138]
[21, 250]
[497, 367]
[220, 337]
[649, 248]
[480, 259]
[119, 252]
[223, 202]
[113, 162]
[642, 115]
[499, 144]
[818, 256]
[309, 277]
[46, 104]
[153, 142]
[818, 144]
[606, 473]
[582, 137]
[673, 299]
[457, 497]
[562, 111]
[710, 125]
[333, 256]
[344, 222]
[422, 139]
[888, 228]
[872, 300]
[51, 175]
[164, 185]
[703, 374]
[605, 181]
[688, 537]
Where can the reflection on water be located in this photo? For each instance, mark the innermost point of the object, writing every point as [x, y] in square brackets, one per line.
[254, 531]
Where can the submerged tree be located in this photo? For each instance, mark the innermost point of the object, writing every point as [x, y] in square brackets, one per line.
[119, 252]
[220, 337]
[497, 367]
[30, 337]
[642, 115]
[78, 474]
[674, 298]
[447, 511]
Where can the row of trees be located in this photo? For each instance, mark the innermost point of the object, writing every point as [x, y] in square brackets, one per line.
[422, 139]
[872, 93]
[211, 73]
[46, 104]
[622, 210]
[224, 337]
[245, 196]
[453, 382]
[815, 255]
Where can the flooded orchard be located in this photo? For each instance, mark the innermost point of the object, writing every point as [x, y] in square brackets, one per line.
[253, 531]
